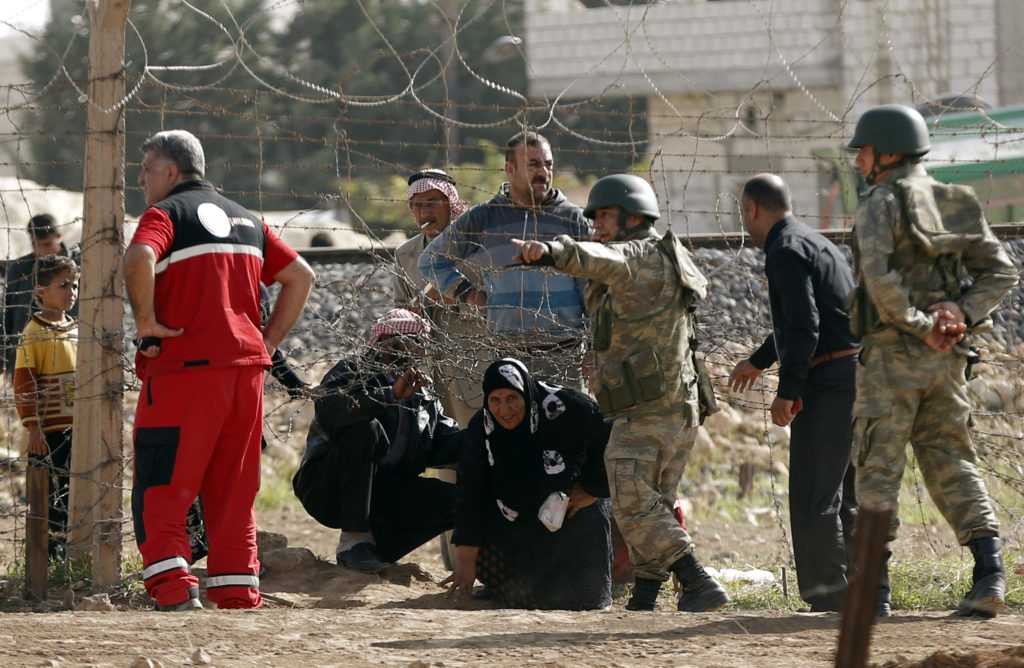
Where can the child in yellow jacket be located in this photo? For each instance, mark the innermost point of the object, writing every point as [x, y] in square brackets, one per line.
[44, 383]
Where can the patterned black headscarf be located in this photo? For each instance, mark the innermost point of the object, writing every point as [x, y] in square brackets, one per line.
[545, 452]
[510, 374]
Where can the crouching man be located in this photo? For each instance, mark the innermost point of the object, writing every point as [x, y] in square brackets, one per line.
[378, 426]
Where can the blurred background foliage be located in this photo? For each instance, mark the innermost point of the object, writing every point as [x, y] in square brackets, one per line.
[381, 91]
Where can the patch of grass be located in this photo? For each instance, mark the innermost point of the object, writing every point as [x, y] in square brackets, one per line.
[72, 574]
[747, 596]
[730, 507]
[772, 491]
[132, 591]
[14, 570]
[916, 505]
[710, 481]
[917, 584]
[65, 573]
[276, 487]
[932, 584]
[59, 573]
[12, 583]
[744, 595]
[940, 583]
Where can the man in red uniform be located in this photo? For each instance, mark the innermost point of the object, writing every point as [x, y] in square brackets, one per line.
[192, 272]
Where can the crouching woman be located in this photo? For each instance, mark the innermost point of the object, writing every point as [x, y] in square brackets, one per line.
[533, 451]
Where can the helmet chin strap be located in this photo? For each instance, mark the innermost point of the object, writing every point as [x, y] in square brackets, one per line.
[621, 222]
[876, 173]
[627, 233]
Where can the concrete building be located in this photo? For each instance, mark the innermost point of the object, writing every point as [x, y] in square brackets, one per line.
[735, 87]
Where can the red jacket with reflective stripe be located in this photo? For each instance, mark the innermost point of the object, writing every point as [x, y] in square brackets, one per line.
[212, 254]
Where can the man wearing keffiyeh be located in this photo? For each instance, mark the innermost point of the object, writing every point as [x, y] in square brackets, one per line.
[378, 425]
[534, 315]
[434, 201]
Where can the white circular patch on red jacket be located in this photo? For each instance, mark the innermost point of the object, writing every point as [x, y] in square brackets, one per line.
[214, 219]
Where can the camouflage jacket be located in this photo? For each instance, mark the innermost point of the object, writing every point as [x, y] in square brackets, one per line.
[640, 298]
[918, 242]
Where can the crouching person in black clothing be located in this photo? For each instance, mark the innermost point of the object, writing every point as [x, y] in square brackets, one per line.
[532, 509]
[378, 426]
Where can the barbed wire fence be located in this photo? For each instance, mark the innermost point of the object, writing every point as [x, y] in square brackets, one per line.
[324, 166]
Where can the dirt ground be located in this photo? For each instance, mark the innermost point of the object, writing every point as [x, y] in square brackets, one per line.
[319, 614]
[382, 635]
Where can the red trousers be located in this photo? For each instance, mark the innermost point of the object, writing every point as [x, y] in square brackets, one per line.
[198, 432]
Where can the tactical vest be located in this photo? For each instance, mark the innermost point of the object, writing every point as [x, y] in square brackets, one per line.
[941, 220]
[644, 350]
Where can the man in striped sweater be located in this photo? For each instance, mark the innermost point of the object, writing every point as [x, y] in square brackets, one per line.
[538, 315]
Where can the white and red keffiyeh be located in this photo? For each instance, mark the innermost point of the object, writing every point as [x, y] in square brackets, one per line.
[398, 321]
[444, 184]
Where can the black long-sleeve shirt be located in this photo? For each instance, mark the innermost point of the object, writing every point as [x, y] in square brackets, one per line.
[418, 432]
[808, 281]
[280, 368]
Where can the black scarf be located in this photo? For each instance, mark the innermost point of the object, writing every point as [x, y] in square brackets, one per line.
[545, 452]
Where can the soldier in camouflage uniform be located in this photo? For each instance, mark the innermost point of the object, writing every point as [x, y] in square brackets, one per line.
[930, 272]
[640, 299]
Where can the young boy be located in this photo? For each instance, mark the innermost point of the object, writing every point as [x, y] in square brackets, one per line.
[44, 383]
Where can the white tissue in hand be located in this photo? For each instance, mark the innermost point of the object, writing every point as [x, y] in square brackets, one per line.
[552, 511]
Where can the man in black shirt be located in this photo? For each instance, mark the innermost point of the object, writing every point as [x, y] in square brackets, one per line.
[808, 280]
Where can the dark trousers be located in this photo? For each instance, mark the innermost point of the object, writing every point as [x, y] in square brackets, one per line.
[402, 511]
[407, 512]
[822, 504]
[58, 462]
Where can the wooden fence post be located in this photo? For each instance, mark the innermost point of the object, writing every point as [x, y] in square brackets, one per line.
[860, 605]
[37, 530]
[97, 452]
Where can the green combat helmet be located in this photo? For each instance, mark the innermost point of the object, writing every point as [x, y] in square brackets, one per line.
[632, 193]
[891, 128]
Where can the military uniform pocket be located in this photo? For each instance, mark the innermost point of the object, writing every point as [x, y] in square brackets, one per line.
[650, 381]
[614, 392]
[864, 424]
[631, 493]
[601, 325]
[625, 384]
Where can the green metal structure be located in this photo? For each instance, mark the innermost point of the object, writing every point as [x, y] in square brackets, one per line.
[983, 149]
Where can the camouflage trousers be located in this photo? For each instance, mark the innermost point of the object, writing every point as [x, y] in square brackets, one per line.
[907, 393]
[645, 459]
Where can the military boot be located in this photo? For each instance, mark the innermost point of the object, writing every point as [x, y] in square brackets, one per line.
[884, 589]
[986, 596]
[645, 593]
[701, 592]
